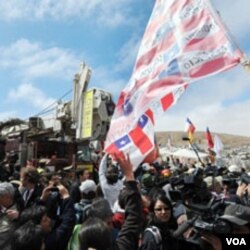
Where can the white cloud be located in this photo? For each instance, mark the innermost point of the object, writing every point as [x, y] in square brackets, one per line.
[31, 60]
[127, 53]
[29, 94]
[7, 115]
[108, 13]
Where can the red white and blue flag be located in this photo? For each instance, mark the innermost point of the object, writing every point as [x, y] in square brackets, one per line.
[184, 41]
[209, 138]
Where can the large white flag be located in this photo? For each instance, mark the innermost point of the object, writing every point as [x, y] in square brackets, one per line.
[218, 145]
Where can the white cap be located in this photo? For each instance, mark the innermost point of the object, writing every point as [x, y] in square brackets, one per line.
[146, 166]
[87, 186]
[234, 168]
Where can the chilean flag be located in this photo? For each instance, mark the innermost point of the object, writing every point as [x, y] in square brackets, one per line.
[184, 41]
[209, 138]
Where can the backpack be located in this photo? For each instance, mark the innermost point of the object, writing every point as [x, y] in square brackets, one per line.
[73, 243]
[82, 212]
[157, 235]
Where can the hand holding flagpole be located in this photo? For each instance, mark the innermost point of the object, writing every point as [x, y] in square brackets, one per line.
[245, 62]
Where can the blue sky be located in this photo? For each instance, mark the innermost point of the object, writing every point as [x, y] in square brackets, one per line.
[43, 42]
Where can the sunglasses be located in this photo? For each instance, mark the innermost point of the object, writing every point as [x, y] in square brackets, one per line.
[159, 209]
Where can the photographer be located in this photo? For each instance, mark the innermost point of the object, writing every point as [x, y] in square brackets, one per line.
[243, 190]
[203, 209]
[63, 221]
[239, 216]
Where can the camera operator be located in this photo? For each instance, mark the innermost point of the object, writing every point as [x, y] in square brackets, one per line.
[239, 217]
[231, 189]
[213, 240]
[203, 209]
[243, 190]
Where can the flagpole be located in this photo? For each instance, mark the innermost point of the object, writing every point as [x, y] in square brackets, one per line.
[196, 152]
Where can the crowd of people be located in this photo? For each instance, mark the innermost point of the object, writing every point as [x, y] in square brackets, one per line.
[161, 205]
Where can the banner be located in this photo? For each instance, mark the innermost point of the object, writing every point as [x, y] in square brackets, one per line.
[184, 41]
[88, 102]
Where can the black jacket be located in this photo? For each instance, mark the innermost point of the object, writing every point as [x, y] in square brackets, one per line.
[129, 235]
[61, 233]
[74, 191]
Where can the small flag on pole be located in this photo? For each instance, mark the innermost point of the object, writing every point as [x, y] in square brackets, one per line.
[209, 138]
[190, 128]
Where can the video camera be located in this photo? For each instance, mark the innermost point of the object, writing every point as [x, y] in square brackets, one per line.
[245, 178]
[190, 187]
[204, 209]
[216, 227]
[230, 182]
[205, 218]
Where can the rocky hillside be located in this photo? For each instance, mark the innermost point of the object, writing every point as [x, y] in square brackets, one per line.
[229, 141]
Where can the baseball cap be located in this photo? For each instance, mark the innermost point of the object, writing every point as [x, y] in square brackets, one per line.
[237, 214]
[234, 168]
[147, 180]
[87, 186]
[146, 166]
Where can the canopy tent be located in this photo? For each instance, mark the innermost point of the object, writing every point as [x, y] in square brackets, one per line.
[166, 152]
[188, 153]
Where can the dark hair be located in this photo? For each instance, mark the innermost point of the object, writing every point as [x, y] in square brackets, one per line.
[28, 237]
[34, 214]
[89, 196]
[80, 172]
[160, 197]
[100, 208]
[156, 191]
[96, 234]
[31, 174]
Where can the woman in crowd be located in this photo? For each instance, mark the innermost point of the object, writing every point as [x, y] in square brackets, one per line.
[161, 222]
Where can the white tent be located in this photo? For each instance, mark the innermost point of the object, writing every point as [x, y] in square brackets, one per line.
[188, 153]
[166, 152]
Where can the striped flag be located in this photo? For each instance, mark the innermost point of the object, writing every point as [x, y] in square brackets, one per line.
[190, 128]
[209, 138]
[184, 41]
